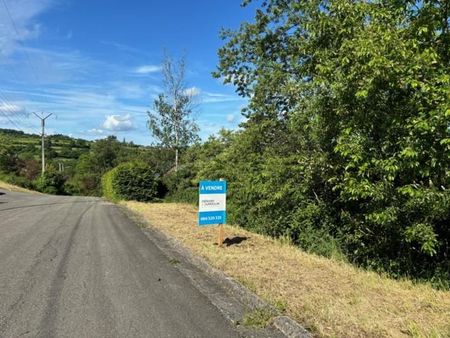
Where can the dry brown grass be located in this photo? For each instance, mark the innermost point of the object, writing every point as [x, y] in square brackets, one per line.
[10, 187]
[333, 299]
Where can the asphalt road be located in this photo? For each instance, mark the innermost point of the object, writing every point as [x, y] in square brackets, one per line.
[78, 267]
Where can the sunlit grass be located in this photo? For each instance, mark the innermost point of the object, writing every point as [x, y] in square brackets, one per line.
[10, 187]
[331, 298]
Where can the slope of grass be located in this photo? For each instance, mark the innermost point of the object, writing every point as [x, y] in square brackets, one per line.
[10, 187]
[331, 298]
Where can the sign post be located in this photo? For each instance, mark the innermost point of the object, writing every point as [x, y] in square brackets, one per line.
[212, 205]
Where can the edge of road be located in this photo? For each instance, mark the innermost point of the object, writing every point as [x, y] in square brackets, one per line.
[193, 266]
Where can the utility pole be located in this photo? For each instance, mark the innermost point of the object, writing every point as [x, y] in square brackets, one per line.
[42, 118]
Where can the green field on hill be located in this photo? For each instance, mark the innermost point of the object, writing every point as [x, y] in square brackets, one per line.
[73, 166]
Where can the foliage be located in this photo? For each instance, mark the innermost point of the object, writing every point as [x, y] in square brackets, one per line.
[51, 182]
[182, 185]
[107, 186]
[8, 159]
[348, 130]
[131, 181]
[106, 154]
[16, 180]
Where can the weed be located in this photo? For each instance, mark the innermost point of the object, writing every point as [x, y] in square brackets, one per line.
[257, 318]
[174, 261]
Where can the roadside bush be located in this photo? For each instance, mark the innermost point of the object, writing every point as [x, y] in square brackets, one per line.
[131, 181]
[52, 182]
[181, 185]
[16, 180]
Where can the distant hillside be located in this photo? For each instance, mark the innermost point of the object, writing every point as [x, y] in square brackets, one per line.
[59, 148]
[73, 165]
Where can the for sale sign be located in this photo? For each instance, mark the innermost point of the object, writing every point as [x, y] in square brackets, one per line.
[212, 202]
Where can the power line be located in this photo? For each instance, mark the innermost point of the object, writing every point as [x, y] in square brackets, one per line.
[9, 109]
[11, 121]
[14, 116]
[8, 13]
[10, 17]
[28, 59]
[24, 50]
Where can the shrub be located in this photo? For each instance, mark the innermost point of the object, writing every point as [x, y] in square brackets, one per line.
[181, 185]
[131, 181]
[16, 180]
[52, 182]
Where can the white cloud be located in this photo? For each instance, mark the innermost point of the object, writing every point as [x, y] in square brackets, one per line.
[45, 66]
[208, 97]
[231, 118]
[18, 23]
[125, 48]
[147, 69]
[193, 91]
[11, 109]
[95, 131]
[129, 90]
[118, 123]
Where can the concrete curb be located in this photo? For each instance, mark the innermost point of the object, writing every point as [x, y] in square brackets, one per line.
[172, 247]
[290, 328]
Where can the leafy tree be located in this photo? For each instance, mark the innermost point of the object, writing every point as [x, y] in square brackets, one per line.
[51, 182]
[349, 104]
[170, 121]
[104, 155]
[182, 185]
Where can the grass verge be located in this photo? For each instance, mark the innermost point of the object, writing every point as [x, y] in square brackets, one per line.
[10, 187]
[330, 298]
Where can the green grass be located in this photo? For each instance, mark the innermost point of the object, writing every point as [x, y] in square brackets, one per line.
[258, 318]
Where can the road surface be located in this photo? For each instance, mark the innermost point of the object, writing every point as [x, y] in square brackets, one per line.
[78, 267]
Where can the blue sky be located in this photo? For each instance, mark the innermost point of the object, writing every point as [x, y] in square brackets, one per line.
[95, 63]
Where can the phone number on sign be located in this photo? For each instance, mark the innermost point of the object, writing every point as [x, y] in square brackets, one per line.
[211, 218]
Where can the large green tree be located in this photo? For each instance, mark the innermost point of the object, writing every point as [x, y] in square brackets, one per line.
[354, 96]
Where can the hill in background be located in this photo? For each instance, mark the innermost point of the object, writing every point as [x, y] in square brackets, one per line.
[73, 165]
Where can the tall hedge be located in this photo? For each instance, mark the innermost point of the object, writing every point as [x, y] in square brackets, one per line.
[131, 181]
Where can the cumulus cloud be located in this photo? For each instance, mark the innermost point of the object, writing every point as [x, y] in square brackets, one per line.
[118, 123]
[147, 69]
